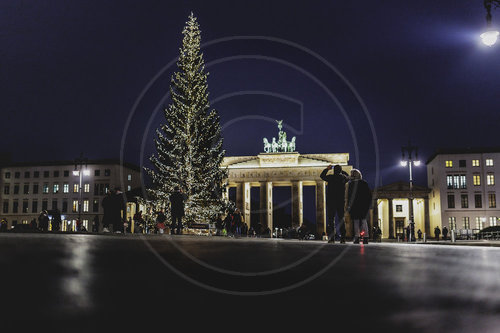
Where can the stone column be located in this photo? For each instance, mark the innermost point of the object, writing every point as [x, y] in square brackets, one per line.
[297, 204]
[246, 203]
[374, 217]
[427, 220]
[266, 204]
[320, 207]
[239, 196]
[391, 218]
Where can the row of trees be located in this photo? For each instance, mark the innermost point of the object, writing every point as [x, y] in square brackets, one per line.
[189, 143]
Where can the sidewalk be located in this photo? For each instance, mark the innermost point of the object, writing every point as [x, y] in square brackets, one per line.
[481, 242]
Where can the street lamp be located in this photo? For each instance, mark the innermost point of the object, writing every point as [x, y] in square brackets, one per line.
[79, 162]
[408, 160]
[490, 37]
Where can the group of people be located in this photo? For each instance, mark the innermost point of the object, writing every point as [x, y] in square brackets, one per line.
[347, 194]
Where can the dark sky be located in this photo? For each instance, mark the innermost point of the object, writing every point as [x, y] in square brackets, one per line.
[362, 77]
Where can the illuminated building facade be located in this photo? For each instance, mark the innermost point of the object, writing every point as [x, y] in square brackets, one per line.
[29, 188]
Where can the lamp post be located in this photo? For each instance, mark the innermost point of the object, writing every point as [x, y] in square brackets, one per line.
[408, 160]
[79, 162]
[490, 36]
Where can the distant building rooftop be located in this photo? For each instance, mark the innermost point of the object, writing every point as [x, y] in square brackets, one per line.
[467, 150]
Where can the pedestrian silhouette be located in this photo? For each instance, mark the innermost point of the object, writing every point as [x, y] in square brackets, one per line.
[358, 199]
[437, 232]
[177, 209]
[335, 200]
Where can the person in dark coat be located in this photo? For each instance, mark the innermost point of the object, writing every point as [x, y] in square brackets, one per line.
[177, 208]
[43, 221]
[335, 201]
[56, 220]
[445, 232]
[437, 232]
[106, 206]
[237, 222]
[117, 210]
[95, 224]
[358, 200]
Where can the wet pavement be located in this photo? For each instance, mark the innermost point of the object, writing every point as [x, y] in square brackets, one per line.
[94, 283]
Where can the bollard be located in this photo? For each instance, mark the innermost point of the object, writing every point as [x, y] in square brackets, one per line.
[453, 236]
[398, 238]
[425, 237]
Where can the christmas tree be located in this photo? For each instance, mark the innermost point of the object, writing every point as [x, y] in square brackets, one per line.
[189, 144]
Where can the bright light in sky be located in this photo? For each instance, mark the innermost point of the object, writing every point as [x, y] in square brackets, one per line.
[489, 37]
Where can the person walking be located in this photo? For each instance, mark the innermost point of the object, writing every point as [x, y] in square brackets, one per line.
[177, 208]
[408, 233]
[358, 200]
[107, 208]
[117, 210]
[56, 220]
[43, 221]
[335, 201]
[237, 221]
[419, 233]
[445, 233]
[437, 232]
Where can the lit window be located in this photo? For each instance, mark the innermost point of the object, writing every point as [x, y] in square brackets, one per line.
[56, 188]
[449, 164]
[475, 163]
[75, 188]
[45, 188]
[85, 206]
[466, 222]
[489, 162]
[490, 179]
[476, 180]
[86, 188]
[456, 181]
[452, 221]
[492, 200]
[75, 206]
[129, 187]
[479, 223]
[449, 182]
[493, 221]
[463, 181]
[129, 177]
[66, 188]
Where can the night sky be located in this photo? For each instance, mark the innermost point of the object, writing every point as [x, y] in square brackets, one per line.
[362, 77]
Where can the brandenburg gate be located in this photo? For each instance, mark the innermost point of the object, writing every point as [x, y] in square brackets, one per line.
[279, 165]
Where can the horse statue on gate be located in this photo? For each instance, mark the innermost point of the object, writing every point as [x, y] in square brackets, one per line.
[291, 145]
[267, 146]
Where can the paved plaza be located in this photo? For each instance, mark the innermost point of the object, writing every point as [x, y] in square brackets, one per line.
[86, 282]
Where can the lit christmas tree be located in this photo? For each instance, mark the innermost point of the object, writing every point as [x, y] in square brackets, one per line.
[189, 144]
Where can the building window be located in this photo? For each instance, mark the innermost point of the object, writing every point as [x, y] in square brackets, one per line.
[45, 188]
[451, 201]
[25, 206]
[66, 188]
[478, 200]
[16, 188]
[463, 181]
[36, 174]
[479, 223]
[26, 174]
[107, 172]
[46, 174]
[95, 205]
[56, 173]
[17, 174]
[490, 179]
[461, 163]
[6, 189]
[65, 206]
[476, 180]
[489, 162]
[75, 188]
[449, 164]
[75, 206]
[85, 206]
[97, 173]
[129, 177]
[45, 204]
[86, 188]
[35, 188]
[129, 187]
[475, 163]
[7, 175]
[66, 173]
[15, 206]
[466, 222]
[54, 204]
[492, 200]
[34, 206]
[6, 206]
[493, 221]
[26, 188]
[449, 182]
[56, 188]
[399, 208]
[464, 198]
[452, 222]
